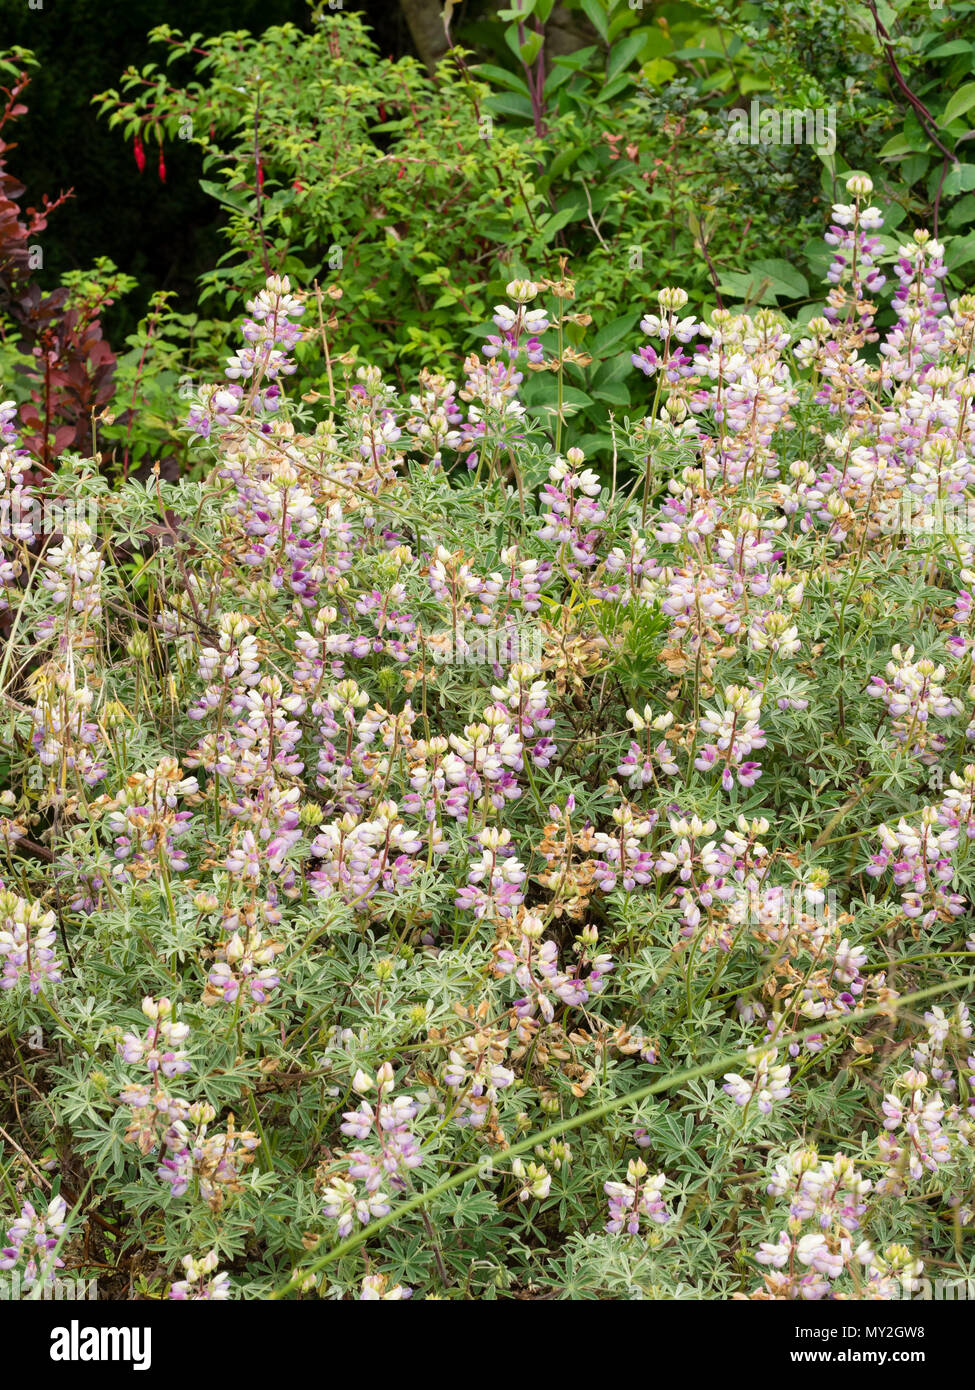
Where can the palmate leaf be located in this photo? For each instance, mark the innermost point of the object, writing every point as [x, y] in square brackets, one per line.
[765, 282]
[637, 637]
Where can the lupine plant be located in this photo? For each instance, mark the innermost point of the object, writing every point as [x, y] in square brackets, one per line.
[432, 870]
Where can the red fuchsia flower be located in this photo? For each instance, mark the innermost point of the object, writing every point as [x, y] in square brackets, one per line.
[162, 166]
[139, 152]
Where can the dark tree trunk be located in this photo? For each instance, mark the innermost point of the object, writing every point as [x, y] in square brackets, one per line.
[565, 31]
[424, 19]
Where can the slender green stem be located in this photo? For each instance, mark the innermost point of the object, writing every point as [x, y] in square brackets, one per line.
[588, 1117]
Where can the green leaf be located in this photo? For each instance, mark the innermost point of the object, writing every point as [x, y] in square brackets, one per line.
[962, 101]
[960, 251]
[577, 61]
[962, 213]
[217, 190]
[622, 54]
[960, 179]
[531, 48]
[658, 71]
[613, 370]
[624, 20]
[555, 222]
[559, 75]
[574, 200]
[656, 43]
[765, 282]
[720, 81]
[946, 50]
[595, 12]
[897, 146]
[591, 444]
[913, 169]
[612, 333]
[687, 55]
[509, 104]
[558, 166]
[786, 280]
[613, 89]
[613, 392]
[503, 78]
